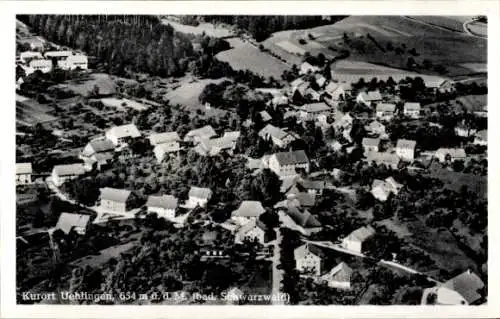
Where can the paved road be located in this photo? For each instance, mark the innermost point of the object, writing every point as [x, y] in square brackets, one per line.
[277, 273]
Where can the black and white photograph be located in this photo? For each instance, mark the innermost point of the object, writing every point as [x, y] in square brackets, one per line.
[241, 159]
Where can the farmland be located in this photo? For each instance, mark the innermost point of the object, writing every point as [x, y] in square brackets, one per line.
[377, 39]
[85, 85]
[245, 56]
[29, 112]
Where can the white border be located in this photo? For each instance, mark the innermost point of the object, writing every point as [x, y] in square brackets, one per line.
[7, 119]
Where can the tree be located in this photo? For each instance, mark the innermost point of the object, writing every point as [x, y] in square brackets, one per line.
[266, 187]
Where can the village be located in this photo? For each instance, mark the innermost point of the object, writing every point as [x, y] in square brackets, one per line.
[327, 187]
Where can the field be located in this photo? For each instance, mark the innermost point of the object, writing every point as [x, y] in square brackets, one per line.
[84, 86]
[478, 28]
[208, 28]
[245, 56]
[442, 42]
[455, 180]
[29, 112]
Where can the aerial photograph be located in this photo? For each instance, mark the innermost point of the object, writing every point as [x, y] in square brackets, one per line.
[251, 160]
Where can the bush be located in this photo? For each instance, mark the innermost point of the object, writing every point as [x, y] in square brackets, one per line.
[302, 41]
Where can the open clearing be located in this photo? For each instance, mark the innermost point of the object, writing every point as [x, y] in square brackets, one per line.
[104, 255]
[30, 112]
[85, 85]
[245, 56]
[209, 29]
[478, 28]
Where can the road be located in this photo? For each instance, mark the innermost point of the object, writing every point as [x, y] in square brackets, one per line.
[466, 29]
[277, 273]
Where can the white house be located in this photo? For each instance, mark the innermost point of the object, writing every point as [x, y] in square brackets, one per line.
[335, 91]
[412, 109]
[57, 54]
[278, 136]
[27, 56]
[63, 173]
[199, 196]
[287, 163]
[23, 173]
[354, 241]
[45, 66]
[306, 68]
[405, 149]
[382, 189]
[481, 138]
[464, 130]
[162, 151]
[376, 128]
[339, 277]
[390, 160]
[115, 200]
[166, 137]
[203, 133]
[120, 135]
[308, 259]
[312, 111]
[248, 210]
[468, 285]
[97, 146]
[367, 98]
[370, 144]
[266, 117]
[252, 231]
[451, 153]
[164, 206]
[214, 146]
[77, 222]
[385, 111]
[73, 62]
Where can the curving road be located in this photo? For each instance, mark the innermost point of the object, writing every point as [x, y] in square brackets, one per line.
[469, 32]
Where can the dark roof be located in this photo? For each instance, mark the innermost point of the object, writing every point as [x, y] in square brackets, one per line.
[304, 219]
[114, 194]
[102, 145]
[67, 221]
[165, 201]
[291, 158]
[467, 284]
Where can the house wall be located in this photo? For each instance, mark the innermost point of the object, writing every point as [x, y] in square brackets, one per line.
[412, 114]
[22, 179]
[405, 153]
[309, 263]
[339, 284]
[352, 245]
[113, 205]
[162, 212]
[193, 201]
[255, 233]
[59, 180]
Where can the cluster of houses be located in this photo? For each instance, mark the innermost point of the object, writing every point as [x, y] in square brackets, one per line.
[45, 62]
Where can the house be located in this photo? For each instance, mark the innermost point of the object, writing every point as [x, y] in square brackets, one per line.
[370, 144]
[278, 136]
[320, 80]
[199, 196]
[296, 83]
[354, 241]
[313, 95]
[307, 68]
[298, 219]
[248, 210]
[382, 189]
[164, 150]
[252, 231]
[312, 187]
[214, 146]
[451, 154]
[367, 98]
[27, 56]
[232, 135]
[312, 111]
[97, 146]
[300, 92]
[468, 285]
[122, 134]
[336, 91]
[345, 122]
[73, 62]
[439, 85]
[166, 137]
[45, 66]
[405, 149]
[70, 221]
[385, 111]
[481, 138]
[23, 173]
[59, 55]
[412, 109]
[63, 173]
[203, 133]
[265, 116]
[388, 159]
[464, 130]
[375, 128]
[115, 200]
[164, 206]
[308, 259]
[339, 277]
[287, 163]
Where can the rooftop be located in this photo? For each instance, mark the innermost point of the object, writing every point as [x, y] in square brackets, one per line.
[367, 141]
[200, 192]
[69, 169]
[24, 168]
[402, 143]
[315, 107]
[466, 284]
[127, 130]
[361, 234]
[164, 201]
[67, 221]
[114, 194]
[249, 208]
[371, 96]
[159, 138]
[385, 107]
[412, 106]
[292, 158]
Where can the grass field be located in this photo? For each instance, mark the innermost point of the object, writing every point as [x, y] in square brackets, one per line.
[208, 28]
[30, 112]
[245, 56]
[85, 85]
[478, 28]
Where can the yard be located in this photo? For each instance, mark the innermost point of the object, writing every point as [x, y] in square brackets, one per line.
[245, 56]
